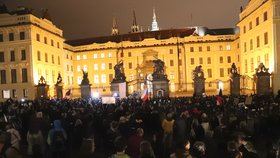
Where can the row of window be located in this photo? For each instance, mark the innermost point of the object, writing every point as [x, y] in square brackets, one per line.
[95, 56]
[209, 60]
[14, 78]
[252, 63]
[257, 22]
[208, 48]
[11, 36]
[46, 41]
[47, 59]
[6, 94]
[97, 78]
[13, 56]
[265, 42]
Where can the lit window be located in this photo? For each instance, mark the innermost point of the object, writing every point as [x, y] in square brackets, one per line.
[79, 79]
[94, 56]
[96, 79]
[102, 66]
[220, 48]
[110, 55]
[102, 55]
[85, 67]
[78, 57]
[228, 47]
[95, 66]
[103, 78]
[78, 68]
[84, 56]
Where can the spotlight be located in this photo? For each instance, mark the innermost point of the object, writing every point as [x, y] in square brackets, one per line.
[95, 95]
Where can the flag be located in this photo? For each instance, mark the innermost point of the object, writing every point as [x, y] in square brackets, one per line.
[67, 94]
[145, 95]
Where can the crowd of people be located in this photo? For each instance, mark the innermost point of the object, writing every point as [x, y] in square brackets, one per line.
[186, 127]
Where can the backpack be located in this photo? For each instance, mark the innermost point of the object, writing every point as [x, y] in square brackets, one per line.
[58, 141]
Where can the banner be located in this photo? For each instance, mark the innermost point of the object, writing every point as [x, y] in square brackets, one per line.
[108, 100]
[6, 94]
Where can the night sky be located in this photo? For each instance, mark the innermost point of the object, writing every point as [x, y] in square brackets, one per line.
[89, 18]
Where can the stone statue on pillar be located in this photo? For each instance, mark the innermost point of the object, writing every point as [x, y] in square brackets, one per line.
[199, 81]
[42, 89]
[160, 81]
[59, 87]
[263, 80]
[119, 81]
[85, 86]
[234, 81]
[119, 73]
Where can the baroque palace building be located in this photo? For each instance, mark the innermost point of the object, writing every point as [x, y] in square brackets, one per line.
[31, 47]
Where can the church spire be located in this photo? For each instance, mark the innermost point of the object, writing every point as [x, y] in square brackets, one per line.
[154, 22]
[115, 30]
[134, 27]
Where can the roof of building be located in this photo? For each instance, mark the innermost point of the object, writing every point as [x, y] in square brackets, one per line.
[223, 31]
[133, 37]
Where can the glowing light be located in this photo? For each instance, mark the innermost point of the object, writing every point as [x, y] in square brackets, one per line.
[115, 95]
[22, 100]
[221, 85]
[95, 95]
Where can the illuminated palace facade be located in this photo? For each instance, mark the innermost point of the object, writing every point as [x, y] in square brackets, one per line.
[31, 47]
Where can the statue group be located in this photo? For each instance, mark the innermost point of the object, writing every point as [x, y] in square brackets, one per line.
[119, 72]
[158, 73]
[198, 72]
[85, 80]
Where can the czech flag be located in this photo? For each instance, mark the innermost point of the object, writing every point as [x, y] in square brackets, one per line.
[67, 94]
[145, 95]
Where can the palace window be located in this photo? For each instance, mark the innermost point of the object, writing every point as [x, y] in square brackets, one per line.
[209, 60]
[11, 37]
[25, 93]
[220, 48]
[14, 75]
[38, 55]
[24, 75]
[171, 62]
[102, 66]
[45, 40]
[110, 55]
[209, 73]
[14, 93]
[110, 66]
[96, 79]
[95, 66]
[102, 55]
[245, 47]
[252, 65]
[130, 65]
[3, 76]
[265, 38]
[22, 35]
[58, 60]
[85, 68]
[38, 37]
[200, 60]
[258, 60]
[264, 16]
[1, 38]
[121, 55]
[221, 60]
[58, 46]
[191, 49]
[251, 44]
[208, 48]
[258, 41]
[51, 42]
[78, 57]
[129, 54]
[78, 68]
[200, 49]
[170, 51]
[23, 54]
[103, 78]
[250, 25]
[13, 57]
[222, 74]
[79, 79]
[94, 56]
[228, 47]
[246, 66]
[46, 57]
[244, 29]
[229, 59]
[52, 59]
[257, 21]
[84, 57]
[192, 61]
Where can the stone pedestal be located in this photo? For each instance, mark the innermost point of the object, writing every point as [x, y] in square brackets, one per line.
[199, 86]
[42, 91]
[235, 84]
[119, 89]
[85, 91]
[160, 88]
[263, 83]
[59, 91]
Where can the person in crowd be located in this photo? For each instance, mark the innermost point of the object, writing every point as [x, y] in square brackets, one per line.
[57, 140]
[87, 148]
[182, 150]
[146, 150]
[133, 143]
[15, 136]
[120, 146]
[36, 142]
[245, 146]
[199, 150]
[168, 125]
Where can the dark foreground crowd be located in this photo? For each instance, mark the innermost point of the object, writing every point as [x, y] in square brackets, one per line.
[197, 127]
